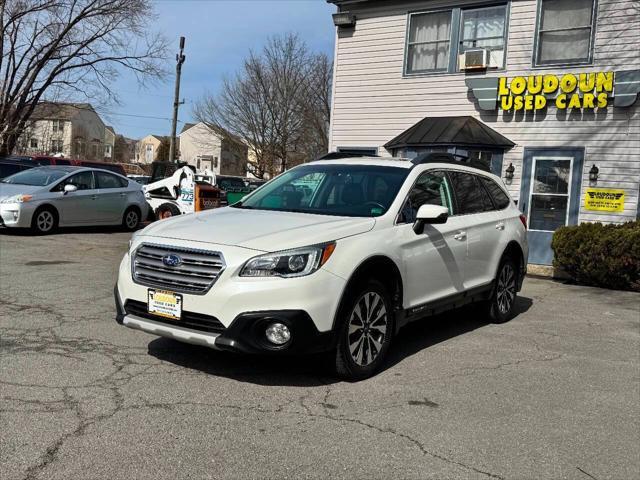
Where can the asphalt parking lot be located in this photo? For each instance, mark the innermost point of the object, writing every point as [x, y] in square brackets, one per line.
[554, 393]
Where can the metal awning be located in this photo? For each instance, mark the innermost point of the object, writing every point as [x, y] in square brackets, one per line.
[451, 131]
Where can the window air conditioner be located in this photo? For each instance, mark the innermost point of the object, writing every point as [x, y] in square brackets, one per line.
[475, 59]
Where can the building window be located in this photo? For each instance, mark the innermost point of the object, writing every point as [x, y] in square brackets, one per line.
[58, 126]
[56, 146]
[436, 40]
[565, 32]
[485, 28]
[34, 143]
[429, 42]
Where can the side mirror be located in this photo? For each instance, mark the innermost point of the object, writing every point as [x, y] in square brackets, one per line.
[431, 214]
[68, 188]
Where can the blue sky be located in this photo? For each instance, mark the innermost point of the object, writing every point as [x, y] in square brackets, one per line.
[219, 34]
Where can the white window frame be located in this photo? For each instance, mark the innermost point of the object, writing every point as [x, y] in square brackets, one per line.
[554, 63]
[533, 182]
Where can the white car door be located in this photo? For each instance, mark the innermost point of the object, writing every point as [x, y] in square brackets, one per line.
[483, 227]
[111, 198]
[76, 207]
[434, 260]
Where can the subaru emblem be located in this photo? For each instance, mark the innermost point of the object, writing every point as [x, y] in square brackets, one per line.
[172, 260]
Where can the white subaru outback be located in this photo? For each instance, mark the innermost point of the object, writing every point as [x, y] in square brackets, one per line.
[334, 255]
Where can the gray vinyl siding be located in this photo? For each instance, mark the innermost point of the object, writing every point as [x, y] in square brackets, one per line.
[373, 101]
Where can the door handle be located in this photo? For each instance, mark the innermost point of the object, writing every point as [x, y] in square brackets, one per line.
[123, 194]
[94, 197]
[460, 236]
[500, 226]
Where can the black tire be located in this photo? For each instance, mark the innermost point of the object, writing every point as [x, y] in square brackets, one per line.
[500, 307]
[131, 219]
[44, 221]
[369, 343]
[166, 210]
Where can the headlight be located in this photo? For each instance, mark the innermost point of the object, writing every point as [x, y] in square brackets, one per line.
[290, 263]
[17, 199]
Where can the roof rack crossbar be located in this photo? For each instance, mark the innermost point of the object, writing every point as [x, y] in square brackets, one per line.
[341, 155]
[445, 157]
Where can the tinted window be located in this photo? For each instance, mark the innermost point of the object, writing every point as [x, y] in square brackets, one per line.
[431, 188]
[500, 198]
[36, 177]
[106, 180]
[8, 169]
[345, 190]
[471, 197]
[82, 180]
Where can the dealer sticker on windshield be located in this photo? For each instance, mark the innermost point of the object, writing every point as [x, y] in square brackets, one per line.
[164, 303]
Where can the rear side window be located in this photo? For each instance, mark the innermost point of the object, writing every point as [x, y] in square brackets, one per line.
[106, 180]
[471, 196]
[500, 198]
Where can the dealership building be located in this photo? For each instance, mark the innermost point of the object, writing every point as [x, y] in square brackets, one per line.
[544, 92]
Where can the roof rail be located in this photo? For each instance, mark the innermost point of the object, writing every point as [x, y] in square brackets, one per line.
[445, 157]
[339, 155]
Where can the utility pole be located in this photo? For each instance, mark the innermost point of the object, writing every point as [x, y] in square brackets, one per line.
[176, 103]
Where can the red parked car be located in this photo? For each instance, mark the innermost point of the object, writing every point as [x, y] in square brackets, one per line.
[44, 160]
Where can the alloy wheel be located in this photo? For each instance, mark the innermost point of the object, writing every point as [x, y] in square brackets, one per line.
[44, 221]
[367, 328]
[131, 219]
[506, 289]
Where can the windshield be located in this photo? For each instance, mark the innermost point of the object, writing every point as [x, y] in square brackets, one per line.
[344, 190]
[37, 177]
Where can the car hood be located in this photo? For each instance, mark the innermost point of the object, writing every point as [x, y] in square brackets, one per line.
[9, 190]
[262, 230]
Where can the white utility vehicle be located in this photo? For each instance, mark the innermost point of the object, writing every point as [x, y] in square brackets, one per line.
[333, 255]
[176, 189]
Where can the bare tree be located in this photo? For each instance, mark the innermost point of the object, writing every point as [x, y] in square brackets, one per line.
[53, 49]
[272, 104]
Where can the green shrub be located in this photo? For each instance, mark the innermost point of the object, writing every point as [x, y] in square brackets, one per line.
[600, 255]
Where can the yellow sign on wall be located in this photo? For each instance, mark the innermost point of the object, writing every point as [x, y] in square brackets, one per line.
[583, 90]
[604, 200]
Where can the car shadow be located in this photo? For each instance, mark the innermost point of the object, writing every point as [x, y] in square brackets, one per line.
[315, 370]
[106, 229]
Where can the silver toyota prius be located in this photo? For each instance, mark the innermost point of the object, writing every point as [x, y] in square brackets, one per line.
[45, 198]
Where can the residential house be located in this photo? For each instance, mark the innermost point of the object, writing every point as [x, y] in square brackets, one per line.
[153, 148]
[542, 91]
[206, 146]
[70, 129]
[109, 143]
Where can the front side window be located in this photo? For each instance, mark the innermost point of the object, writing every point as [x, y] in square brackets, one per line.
[471, 197]
[565, 32]
[431, 188]
[82, 180]
[429, 42]
[342, 190]
[436, 40]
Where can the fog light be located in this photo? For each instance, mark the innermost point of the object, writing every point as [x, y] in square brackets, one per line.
[278, 334]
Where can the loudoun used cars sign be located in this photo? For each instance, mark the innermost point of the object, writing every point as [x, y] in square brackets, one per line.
[586, 90]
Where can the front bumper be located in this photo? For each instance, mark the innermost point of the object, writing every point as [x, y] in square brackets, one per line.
[245, 334]
[17, 215]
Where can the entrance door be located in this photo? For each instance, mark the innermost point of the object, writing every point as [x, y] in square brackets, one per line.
[549, 196]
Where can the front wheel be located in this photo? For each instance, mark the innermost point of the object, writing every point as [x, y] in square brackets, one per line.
[44, 221]
[365, 332]
[500, 307]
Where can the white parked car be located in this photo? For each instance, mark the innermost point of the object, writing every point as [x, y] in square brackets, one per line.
[44, 198]
[374, 245]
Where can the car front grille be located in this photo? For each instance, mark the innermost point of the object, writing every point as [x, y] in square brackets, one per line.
[191, 320]
[196, 273]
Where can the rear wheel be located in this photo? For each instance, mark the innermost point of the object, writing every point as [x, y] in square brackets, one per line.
[365, 332]
[131, 219]
[167, 210]
[500, 306]
[44, 221]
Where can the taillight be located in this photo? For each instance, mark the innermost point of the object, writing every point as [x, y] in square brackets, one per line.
[523, 219]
